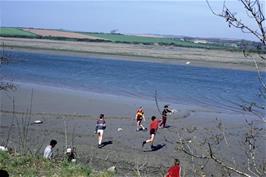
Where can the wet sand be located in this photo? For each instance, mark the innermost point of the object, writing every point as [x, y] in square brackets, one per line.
[77, 112]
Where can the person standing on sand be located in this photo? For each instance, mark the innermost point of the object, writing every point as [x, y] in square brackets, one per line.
[100, 127]
[48, 151]
[164, 116]
[153, 129]
[175, 170]
[139, 117]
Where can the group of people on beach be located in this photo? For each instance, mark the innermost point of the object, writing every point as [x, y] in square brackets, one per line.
[173, 171]
[155, 124]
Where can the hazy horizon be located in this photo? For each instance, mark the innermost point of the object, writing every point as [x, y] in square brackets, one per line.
[179, 18]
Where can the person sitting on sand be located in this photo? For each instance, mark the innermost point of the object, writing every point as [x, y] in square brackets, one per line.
[175, 170]
[164, 116]
[48, 151]
[71, 154]
[139, 117]
[153, 129]
[100, 127]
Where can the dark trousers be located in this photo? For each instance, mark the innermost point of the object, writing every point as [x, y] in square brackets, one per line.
[163, 122]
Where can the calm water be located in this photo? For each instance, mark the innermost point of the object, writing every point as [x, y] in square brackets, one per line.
[184, 84]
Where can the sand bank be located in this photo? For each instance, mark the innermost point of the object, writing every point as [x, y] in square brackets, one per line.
[58, 107]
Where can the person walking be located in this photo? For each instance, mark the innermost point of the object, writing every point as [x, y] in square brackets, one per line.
[165, 112]
[175, 170]
[153, 129]
[139, 117]
[100, 127]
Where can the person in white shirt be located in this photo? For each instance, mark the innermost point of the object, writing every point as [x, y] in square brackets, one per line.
[48, 151]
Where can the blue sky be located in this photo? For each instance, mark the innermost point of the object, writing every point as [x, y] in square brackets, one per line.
[175, 17]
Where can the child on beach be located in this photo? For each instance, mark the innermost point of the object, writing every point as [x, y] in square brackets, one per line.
[71, 154]
[175, 170]
[164, 116]
[139, 117]
[48, 151]
[153, 129]
[100, 127]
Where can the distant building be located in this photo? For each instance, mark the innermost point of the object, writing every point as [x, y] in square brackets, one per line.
[234, 45]
[197, 41]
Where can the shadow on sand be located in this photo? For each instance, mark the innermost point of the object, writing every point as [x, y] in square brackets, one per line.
[106, 143]
[155, 148]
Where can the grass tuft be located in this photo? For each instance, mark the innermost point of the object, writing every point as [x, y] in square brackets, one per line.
[31, 166]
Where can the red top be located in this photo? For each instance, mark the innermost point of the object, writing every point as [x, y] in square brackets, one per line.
[174, 171]
[154, 124]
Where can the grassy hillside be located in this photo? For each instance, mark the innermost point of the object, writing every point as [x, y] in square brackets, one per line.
[15, 32]
[31, 166]
[237, 45]
[120, 38]
[108, 37]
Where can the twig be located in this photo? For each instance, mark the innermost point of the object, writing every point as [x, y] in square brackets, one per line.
[156, 102]
[212, 156]
[65, 125]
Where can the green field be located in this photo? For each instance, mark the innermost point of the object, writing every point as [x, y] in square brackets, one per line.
[120, 38]
[15, 32]
[117, 38]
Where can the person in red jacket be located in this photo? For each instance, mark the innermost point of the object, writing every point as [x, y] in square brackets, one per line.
[153, 129]
[175, 170]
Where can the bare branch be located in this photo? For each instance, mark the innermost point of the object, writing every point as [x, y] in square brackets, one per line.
[213, 157]
[156, 102]
[256, 14]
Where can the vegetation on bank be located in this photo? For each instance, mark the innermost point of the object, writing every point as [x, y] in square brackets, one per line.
[188, 42]
[31, 166]
[16, 32]
[121, 38]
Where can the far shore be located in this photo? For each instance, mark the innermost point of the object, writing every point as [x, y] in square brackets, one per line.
[143, 53]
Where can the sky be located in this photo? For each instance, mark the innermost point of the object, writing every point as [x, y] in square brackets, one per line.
[174, 17]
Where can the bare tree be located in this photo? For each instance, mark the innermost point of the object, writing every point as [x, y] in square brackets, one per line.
[254, 10]
[211, 146]
[219, 148]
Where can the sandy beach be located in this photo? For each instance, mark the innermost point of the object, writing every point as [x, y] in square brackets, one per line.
[78, 111]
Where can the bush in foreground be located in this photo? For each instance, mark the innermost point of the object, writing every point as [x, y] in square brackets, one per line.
[31, 166]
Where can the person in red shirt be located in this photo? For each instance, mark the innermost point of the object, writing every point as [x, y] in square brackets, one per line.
[175, 170]
[153, 129]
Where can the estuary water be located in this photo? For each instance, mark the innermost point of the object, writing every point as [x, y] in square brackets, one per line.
[173, 83]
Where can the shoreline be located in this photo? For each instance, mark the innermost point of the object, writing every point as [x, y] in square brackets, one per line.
[87, 103]
[156, 54]
[84, 103]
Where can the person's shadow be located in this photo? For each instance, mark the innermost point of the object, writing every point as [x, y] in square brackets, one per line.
[155, 148]
[106, 143]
